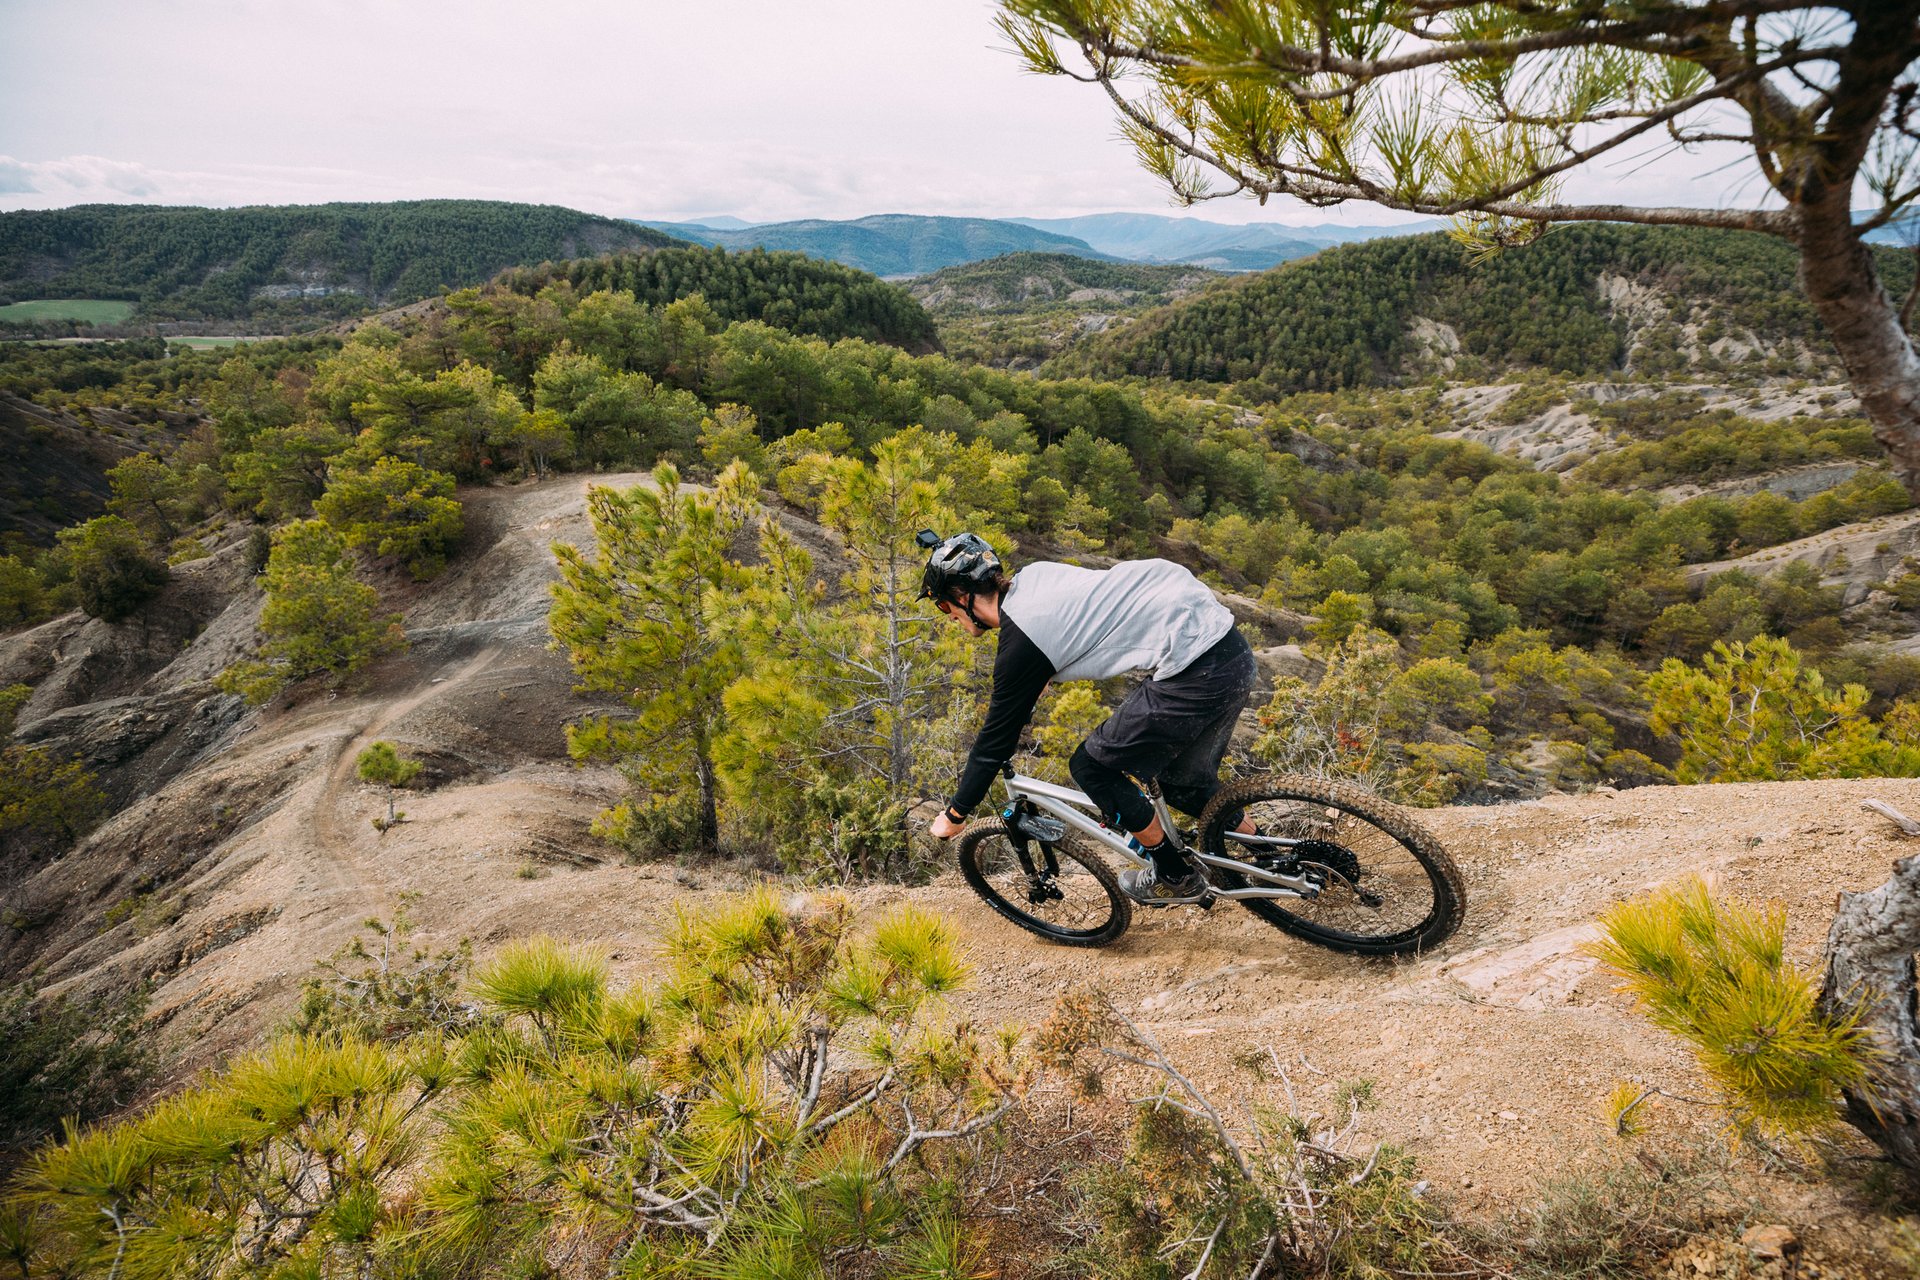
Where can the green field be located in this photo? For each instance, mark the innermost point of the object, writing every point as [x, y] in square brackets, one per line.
[201, 344]
[91, 310]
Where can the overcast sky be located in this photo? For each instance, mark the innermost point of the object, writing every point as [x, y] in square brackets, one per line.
[765, 109]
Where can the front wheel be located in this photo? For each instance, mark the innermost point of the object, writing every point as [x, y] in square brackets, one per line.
[1386, 887]
[1071, 898]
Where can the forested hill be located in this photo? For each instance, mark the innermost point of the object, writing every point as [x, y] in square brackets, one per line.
[290, 262]
[1019, 281]
[1582, 299]
[786, 290]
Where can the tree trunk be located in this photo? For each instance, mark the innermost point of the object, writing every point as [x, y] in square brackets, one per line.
[709, 801]
[1837, 272]
[1870, 962]
[1836, 266]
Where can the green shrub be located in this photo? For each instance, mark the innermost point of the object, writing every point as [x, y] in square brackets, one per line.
[12, 698]
[45, 801]
[1757, 712]
[1715, 974]
[318, 618]
[23, 598]
[399, 510]
[773, 1105]
[379, 987]
[380, 763]
[114, 570]
[66, 1058]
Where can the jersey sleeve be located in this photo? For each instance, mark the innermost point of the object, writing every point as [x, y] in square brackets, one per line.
[1020, 673]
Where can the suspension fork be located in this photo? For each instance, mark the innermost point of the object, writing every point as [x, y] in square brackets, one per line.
[1013, 815]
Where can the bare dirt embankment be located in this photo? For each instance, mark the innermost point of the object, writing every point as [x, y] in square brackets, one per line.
[1490, 1057]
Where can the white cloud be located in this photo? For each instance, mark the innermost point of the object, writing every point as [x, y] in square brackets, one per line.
[760, 108]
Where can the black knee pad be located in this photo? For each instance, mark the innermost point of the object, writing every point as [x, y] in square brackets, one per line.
[1119, 800]
[1082, 766]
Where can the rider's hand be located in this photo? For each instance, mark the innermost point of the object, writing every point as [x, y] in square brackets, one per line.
[944, 827]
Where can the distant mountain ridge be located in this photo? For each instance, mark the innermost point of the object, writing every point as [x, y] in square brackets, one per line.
[1254, 246]
[290, 262]
[887, 244]
[901, 244]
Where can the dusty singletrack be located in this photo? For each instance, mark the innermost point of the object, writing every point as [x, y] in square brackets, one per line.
[1491, 1057]
[349, 850]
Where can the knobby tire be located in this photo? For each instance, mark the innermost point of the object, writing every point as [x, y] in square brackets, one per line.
[1423, 895]
[988, 861]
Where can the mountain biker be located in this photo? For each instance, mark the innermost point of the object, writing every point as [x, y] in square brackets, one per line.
[1060, 622]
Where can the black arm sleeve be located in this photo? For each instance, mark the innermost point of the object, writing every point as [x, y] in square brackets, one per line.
[1020, 672]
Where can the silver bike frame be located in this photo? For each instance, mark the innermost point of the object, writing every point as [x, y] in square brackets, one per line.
[1068, 805]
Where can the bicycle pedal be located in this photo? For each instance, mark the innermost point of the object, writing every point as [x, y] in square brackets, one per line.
[1205, 902]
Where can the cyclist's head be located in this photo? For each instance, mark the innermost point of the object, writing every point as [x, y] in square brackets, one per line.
[963, 565]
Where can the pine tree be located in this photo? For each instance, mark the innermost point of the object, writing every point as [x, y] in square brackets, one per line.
[642, 615]
[1756, 711]
[381, 763]
[318, 618]
[396, 509]
[849, 688]
[114, 569]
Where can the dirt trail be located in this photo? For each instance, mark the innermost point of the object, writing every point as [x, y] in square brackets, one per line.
[1491, 1057]
[346, 845]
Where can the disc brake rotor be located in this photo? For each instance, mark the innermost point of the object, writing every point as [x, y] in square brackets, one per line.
[1329, 855]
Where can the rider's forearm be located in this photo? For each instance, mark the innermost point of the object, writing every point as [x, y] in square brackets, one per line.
[1020, 672]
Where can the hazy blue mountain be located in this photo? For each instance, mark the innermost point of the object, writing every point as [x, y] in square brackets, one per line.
[888, 244]
[1151, 237]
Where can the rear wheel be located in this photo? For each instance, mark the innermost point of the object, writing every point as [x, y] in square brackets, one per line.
[1386, 887]
[1072, 898]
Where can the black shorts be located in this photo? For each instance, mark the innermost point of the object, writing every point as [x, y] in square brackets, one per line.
[1177, 729]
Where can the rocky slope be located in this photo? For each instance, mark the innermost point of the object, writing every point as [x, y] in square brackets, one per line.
[1558, 436]
[54, 462]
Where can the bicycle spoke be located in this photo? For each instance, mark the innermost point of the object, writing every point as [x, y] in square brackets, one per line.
[1386, 887]
[1360, 853]
[1081, 903]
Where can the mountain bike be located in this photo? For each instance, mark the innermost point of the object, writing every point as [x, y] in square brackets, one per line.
[1326, 861]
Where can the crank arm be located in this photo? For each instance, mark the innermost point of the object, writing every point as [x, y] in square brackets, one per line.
[1292, 886]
